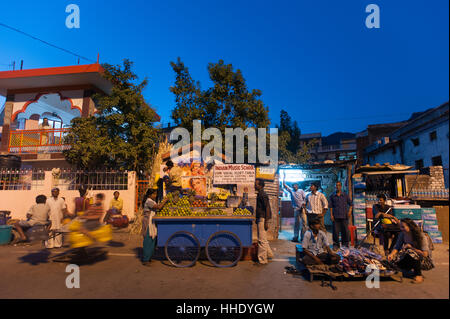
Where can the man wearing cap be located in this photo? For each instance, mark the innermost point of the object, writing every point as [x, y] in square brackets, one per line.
[316, 205]
[58, 209]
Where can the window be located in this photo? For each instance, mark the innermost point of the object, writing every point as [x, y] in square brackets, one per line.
[419, 164]
[433, 136]
[437, 161]
[415, 141]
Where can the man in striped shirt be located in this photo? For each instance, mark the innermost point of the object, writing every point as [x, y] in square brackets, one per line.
[316, 205]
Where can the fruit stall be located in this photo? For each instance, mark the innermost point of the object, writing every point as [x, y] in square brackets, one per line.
[188, 223]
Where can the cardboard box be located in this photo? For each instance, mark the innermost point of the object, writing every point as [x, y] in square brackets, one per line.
[429, 228]
[431, 222]
[412, 213]
[429, 216]
[429, 211]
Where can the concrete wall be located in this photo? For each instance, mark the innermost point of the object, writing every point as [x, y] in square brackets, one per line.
[427, 149]
[388, 156]
[19, 201]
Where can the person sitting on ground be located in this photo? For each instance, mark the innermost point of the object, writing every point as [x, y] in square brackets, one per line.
[388, 227]
[39, 214]
[412, 251]
[93, 215]
[115, 207]
[316, 247]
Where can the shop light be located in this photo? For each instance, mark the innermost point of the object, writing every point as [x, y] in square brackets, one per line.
[292, 175]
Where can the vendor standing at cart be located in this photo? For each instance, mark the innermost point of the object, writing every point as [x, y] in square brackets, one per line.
[340, 214]
[263, 215]
[316, 205]
[149, 230]
[174, 174]
[298, 202]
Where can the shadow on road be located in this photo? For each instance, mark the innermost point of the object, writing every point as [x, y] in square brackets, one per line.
[36, 258]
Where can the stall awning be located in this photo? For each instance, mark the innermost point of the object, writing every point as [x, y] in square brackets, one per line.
[390, 172]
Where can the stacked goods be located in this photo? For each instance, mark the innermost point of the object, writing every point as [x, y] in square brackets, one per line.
[355, 262]
[430, 224]
[359, 208]
[242, 212]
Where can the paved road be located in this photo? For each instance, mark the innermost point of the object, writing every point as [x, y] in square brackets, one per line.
[26, 272]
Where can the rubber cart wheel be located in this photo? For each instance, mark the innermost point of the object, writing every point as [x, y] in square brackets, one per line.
[224, 249]
[182, 249]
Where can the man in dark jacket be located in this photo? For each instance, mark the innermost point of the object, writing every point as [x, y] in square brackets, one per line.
[263, 215]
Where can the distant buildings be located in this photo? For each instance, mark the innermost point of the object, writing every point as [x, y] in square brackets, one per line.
[422, 141]
[335, 147]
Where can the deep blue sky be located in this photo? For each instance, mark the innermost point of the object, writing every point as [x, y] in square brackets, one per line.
[315, 59]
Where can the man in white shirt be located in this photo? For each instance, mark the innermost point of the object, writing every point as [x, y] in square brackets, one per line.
[298, 201]
[316, 205]
[58, 209]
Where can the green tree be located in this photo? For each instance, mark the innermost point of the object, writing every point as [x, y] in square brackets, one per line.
[122, 133]
[227, 103]
[291, 148]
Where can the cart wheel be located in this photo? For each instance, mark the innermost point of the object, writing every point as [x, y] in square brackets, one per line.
[224, 249]
[182, 249]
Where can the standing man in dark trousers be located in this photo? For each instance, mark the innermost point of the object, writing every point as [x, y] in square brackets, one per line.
[263, 215]
[340, 214]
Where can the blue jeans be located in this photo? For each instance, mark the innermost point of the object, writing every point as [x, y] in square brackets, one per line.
[299, 224]
[340, 226]
[148, 247]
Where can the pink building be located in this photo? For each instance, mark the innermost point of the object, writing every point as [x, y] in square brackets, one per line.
[58, 94]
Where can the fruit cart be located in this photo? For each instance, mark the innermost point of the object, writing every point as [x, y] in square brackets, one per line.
[186, 226]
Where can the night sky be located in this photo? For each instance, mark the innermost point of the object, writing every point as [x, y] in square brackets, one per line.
[315, 59]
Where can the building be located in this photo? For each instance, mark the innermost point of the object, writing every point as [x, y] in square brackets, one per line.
[373, 134]
[58, 94]
[335, 147]
[421, 142]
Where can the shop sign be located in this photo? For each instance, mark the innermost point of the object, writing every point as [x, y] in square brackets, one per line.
[234, 174]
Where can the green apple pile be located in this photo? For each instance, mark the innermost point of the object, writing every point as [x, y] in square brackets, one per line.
[242, 212]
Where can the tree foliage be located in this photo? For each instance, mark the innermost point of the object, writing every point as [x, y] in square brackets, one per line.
[290, 147]
[122, 132]
[227, 103]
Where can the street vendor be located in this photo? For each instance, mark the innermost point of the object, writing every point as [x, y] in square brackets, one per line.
[316, 247]
[388, 225]
[174, 174]
[149, 230]
[412, 251]
[38, 214]
[115, 207]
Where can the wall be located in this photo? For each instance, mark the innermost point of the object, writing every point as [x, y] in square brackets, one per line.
[428, 149]
[19, 201]
[386, 156]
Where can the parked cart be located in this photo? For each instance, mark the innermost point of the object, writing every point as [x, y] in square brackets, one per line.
[223, 238]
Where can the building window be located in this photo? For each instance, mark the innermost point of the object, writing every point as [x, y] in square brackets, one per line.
[433, 136]
[437, 161]
[415, 141]
[419, 164]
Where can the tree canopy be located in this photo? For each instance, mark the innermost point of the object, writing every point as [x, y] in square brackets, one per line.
[290, 147]
[122, 132]
[227, 103]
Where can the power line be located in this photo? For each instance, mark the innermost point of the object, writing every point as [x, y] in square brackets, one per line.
[45, 42]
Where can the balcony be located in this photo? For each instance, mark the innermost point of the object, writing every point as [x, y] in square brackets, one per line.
[37, 141]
